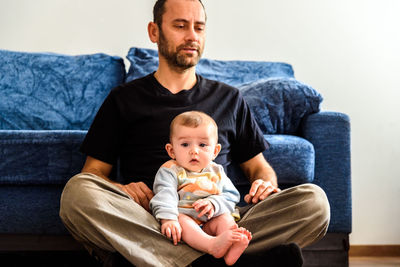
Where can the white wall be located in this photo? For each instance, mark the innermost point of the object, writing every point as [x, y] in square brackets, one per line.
[347, 50]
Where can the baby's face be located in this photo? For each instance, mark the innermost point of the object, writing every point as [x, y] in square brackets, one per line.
[194, 148]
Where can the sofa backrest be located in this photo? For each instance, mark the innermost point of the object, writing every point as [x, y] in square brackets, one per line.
[46, 91]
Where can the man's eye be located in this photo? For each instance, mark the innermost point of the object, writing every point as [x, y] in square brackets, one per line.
[179, 26]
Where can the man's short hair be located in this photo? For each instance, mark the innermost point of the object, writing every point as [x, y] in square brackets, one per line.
[193, 119]
[159, 10]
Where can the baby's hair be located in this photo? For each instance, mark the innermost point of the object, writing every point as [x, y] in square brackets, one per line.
[193, 119]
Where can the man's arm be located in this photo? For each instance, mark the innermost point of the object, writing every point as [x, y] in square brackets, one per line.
[262, 178]
[140, 193]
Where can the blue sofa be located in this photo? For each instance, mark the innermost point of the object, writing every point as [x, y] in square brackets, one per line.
[48, 101]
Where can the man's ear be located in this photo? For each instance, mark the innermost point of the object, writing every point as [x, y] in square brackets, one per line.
[153, 32]
[217, 149]
[170, 150]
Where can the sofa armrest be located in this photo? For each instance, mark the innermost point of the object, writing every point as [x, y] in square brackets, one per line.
[329, 132]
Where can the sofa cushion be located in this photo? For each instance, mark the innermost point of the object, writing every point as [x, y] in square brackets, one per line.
[43, 91]
[31, 157]
[292, 158]
[279, 104]
[145, 61]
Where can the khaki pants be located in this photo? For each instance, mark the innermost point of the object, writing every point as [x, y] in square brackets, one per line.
[105, 219]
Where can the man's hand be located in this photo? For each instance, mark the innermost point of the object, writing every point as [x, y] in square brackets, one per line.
[171, 229]
[140, 192]
[260, 190]
[204, 206]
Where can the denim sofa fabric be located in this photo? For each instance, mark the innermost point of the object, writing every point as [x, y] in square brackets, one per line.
[292, 158]
[145, 61]
[35, 165]
[43, 91]
[279, 104]
[31, 210]
[329, 132]
[32, 157]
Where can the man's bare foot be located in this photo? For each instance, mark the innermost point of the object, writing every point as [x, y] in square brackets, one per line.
[238, 247]
[223, 242]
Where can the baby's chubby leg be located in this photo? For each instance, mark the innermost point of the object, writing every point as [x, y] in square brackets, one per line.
[216, 246]
[220, 224]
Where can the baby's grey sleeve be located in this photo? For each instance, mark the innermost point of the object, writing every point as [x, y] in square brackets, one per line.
[164, 204]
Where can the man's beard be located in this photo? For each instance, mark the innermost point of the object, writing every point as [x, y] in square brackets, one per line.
[176, 60]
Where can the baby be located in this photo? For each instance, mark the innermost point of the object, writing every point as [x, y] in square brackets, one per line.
[194, 199]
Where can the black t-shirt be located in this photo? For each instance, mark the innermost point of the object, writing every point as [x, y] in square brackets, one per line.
[132, 125]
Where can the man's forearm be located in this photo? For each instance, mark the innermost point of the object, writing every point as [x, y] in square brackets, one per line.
[262, 177]
[266, 174]
[258, 168]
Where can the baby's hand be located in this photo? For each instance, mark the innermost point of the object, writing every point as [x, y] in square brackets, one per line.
[204, 206]
[171, 229]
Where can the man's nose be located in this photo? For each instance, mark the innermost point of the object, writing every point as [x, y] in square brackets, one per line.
[192, 35]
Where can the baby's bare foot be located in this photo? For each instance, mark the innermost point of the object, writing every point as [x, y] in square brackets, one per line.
[223, 242]
[245, 232]
[238, 247]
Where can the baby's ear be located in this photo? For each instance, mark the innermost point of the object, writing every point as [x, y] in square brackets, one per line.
[217, 149]
[170, 150]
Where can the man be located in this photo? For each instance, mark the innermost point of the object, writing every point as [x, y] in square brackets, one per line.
[131, 128]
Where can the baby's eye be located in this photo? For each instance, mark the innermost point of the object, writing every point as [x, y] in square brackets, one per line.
[185, 144]
[203, 145]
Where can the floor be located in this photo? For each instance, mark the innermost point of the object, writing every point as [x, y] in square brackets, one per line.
[373, 261]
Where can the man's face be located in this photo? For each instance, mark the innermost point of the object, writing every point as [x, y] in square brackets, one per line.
[182, 33]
